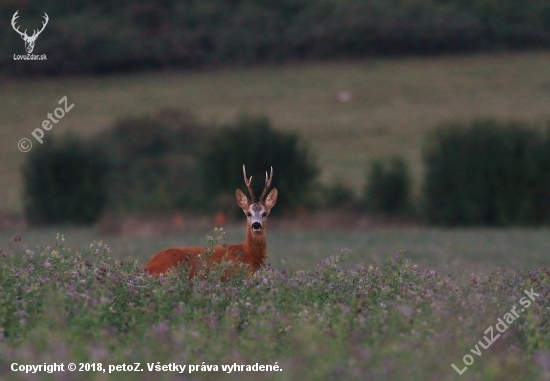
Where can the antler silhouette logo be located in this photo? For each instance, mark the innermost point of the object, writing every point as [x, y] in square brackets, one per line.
[29, 40]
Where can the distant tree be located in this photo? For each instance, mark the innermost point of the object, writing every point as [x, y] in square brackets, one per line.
[255, 143]
[154, 161]
[65, 182]
[388, 187]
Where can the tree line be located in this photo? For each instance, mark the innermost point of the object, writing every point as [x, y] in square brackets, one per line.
[100, 36]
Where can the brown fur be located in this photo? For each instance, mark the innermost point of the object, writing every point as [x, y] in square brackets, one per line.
[252, 252]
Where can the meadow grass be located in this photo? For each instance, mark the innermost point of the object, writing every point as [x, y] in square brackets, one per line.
[394, 101]
[396, 320]
[459, 252]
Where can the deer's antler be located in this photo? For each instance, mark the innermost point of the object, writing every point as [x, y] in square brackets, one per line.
[247, 182]
[36, 33]
[44, 23]
[15, 16]
[267, 184]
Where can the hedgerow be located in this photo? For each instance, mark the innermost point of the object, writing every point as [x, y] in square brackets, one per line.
[96, 36]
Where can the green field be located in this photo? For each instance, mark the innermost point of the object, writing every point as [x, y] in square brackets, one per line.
[387, 319]
[459, 252]
[394, 101]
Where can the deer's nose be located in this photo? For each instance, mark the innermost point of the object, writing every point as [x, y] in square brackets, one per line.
[256, 226]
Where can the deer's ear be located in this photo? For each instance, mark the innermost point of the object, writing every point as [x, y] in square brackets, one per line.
[271, 199]
[242, 200]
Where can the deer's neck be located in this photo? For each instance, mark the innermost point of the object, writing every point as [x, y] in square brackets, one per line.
[255, 247]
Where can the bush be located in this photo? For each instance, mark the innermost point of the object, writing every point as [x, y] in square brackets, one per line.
[64, 182]
[388, 187]
[488, 173]
[154, 162]
[253, 142]
[338, 195]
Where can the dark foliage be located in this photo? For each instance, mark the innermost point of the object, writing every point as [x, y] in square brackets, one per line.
[97, 36]
[154, 162]
[338, 195]
[254, 143]
[65, 182]
[388, 187]
[488, 173]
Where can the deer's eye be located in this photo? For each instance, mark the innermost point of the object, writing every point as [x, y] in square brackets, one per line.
[248, 214]
[264, 214]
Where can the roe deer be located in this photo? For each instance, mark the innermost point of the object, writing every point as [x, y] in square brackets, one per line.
[252, 252]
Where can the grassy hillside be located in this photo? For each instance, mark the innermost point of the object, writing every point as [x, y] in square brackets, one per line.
[393, 102]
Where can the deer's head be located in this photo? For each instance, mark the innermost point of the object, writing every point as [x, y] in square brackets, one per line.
[257, 211]
[29, 40]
